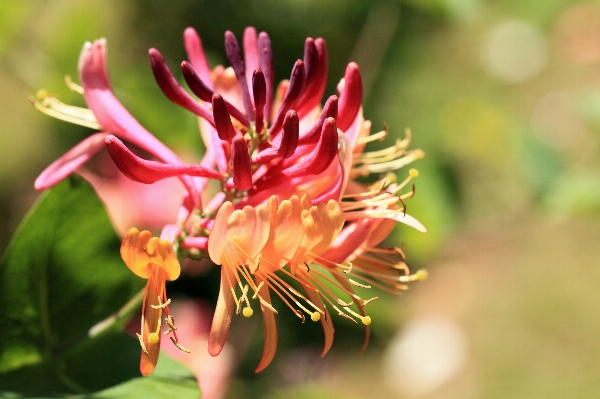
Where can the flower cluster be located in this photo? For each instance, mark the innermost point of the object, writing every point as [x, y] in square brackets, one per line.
[290, 218]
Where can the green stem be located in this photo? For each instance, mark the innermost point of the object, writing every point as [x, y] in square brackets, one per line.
[119, 318]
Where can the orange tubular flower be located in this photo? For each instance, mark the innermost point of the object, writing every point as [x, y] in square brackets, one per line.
[153, 259]
[254, 244]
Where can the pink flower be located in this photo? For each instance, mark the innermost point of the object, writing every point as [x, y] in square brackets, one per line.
[289, 206]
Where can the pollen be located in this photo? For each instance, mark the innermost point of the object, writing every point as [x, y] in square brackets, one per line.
[247, 311]
[413, 173]
[315, 316]
[153, 338]
[366, 320]
[422, 274]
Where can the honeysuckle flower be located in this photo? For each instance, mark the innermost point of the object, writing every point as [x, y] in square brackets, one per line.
[153, 259]
[289, 205]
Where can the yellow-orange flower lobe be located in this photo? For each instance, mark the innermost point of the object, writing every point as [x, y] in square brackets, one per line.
[140, 251]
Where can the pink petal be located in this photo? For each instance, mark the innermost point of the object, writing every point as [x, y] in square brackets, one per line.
[240, 160]
[234, 55]
[265, 53]
[148, 172]
[323, 154]
[70, 161]
[350, 97]
[196, 55]
[250, 45]
[109, 112]
[172, 89]
[291, 96]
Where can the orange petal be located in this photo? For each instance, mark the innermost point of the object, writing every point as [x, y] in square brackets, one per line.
[270, 326]
[247, 227]
[150, 319]
[285, 233]
[331, 221]
[139, 249]
[217, 239]
[326, 321]
[347, 286]
[222, 317]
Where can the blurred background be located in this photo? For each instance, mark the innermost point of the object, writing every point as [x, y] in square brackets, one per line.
[504, 97]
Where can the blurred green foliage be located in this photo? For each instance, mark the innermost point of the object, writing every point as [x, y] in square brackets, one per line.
[490, 188]
[61, 275]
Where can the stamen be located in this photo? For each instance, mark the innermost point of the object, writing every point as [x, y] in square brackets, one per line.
[72, 85]
[178, 345]
[141, 339]
[390, 165]
[171, 323]
[161, 305]
[357, 284]
[53, 107]
[267, 305]
[257, 290]
[368, 301]
[349, 269]
[340, 313]
[366, 320]
[420, 275]
[376, 136]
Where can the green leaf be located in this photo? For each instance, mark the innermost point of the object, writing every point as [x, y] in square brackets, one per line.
[62, 274]
[170, 379]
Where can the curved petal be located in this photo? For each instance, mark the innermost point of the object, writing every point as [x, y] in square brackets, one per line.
[350, 238]
[361, 310]
[222, 317]
[149, 172]
[109, 112]
[70, 161]
[326, 322]
[196, 55]
[350, 97]
[150, 319]
[270, 327]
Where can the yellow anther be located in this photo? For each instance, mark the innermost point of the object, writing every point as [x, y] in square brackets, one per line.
[422, 274]
[247, 312]
[366, 320]
[41, 94]
[315, 316]
[413, 173]
[153, 338]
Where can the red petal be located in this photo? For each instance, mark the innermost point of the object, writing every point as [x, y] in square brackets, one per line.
[171, 88]
[242, 168]
[148, 172]
[350, 97]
